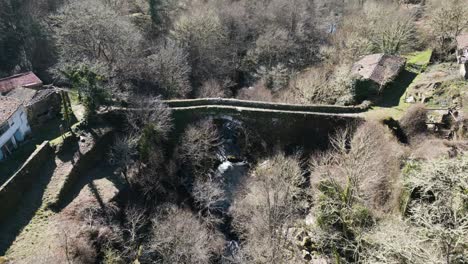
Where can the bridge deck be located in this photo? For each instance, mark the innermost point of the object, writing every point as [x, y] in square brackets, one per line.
[227, 109]
[244, 104]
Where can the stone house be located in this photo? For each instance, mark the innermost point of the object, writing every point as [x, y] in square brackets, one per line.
[462, 54]
[41, 103]
[377, 70]
[14, 125]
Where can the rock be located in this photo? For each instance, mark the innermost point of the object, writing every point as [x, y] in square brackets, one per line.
[310, 219]
[306, 255]
[410, 100]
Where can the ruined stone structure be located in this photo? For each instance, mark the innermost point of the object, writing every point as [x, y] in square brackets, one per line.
[41, 105]
[378, 69]
[462, 54]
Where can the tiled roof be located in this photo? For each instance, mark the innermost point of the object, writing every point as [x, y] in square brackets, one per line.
[25, 95]
[462, 41]
[380, 68]
[8, 107]
[27, 79]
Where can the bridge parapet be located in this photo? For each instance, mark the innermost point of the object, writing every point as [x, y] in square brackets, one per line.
[331, 109]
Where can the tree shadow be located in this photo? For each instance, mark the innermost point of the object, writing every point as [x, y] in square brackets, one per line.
[99, 171]
[32, 200]
[392, 94]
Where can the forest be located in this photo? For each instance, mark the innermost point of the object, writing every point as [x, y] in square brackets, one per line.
[381, 190]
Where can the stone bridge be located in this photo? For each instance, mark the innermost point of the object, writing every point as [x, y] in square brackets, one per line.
[308, 126]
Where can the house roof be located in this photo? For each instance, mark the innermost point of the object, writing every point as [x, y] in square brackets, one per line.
[27, 79]
[380, 68]
[8, 107]
[24, 95]
[462, 41]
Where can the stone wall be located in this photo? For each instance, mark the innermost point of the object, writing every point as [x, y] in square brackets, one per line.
[332, 109]
[23, 180]
[45, 106]
[307, 130]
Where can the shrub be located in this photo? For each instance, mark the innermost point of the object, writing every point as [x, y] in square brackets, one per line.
[353, 184]
[413, 122]
[198, 148]
[212, 89]
[179, 237]
[256, 93]
[396, 241]
[439, 205]
[267, 208]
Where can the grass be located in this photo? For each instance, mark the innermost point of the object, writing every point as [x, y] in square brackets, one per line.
[392, 100]
[418, 60]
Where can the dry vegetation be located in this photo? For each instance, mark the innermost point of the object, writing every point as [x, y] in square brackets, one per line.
[369, 198]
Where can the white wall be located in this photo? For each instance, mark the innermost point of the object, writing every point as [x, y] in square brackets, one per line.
[18, 122]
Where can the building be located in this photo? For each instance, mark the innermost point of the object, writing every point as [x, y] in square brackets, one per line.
[41, 105]
[462, 54]
[14, 125]
[27, 80]
[378, 69]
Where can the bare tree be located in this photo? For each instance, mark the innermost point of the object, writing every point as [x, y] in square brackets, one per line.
[198, 147]
[447, 20]
[267, 208]
[123, 153]
[89, 30]
[135, 220]
[397, 241]
[440, 209]
[168, 68]
[393, 30]
[212, 89]
[149, 110]
[200, 31]
[179, 237]
[353, 184]
[210, 197]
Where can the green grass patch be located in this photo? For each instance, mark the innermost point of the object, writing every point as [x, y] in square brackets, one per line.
[74, 98]
[418, 61]
[392, 100]
[449, 94]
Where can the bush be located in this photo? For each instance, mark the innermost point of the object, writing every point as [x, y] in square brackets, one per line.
[413, 122]
[198, 147]
[352, 185]
[439, 205]
[267, 208]
[179, 237]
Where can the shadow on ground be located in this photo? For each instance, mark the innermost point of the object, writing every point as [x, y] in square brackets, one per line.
[48, 131]
[391, 96]
[99, 171]
[26, 210]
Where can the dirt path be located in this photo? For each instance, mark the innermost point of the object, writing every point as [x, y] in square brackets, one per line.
[32, 230]
[32, 215]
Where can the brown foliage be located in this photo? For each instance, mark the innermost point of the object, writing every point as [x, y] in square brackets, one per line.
[212, 89]
[413, 122]
[256, 93]
[267, 208]
[369, 160]
[198, 147]
[179, 237]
